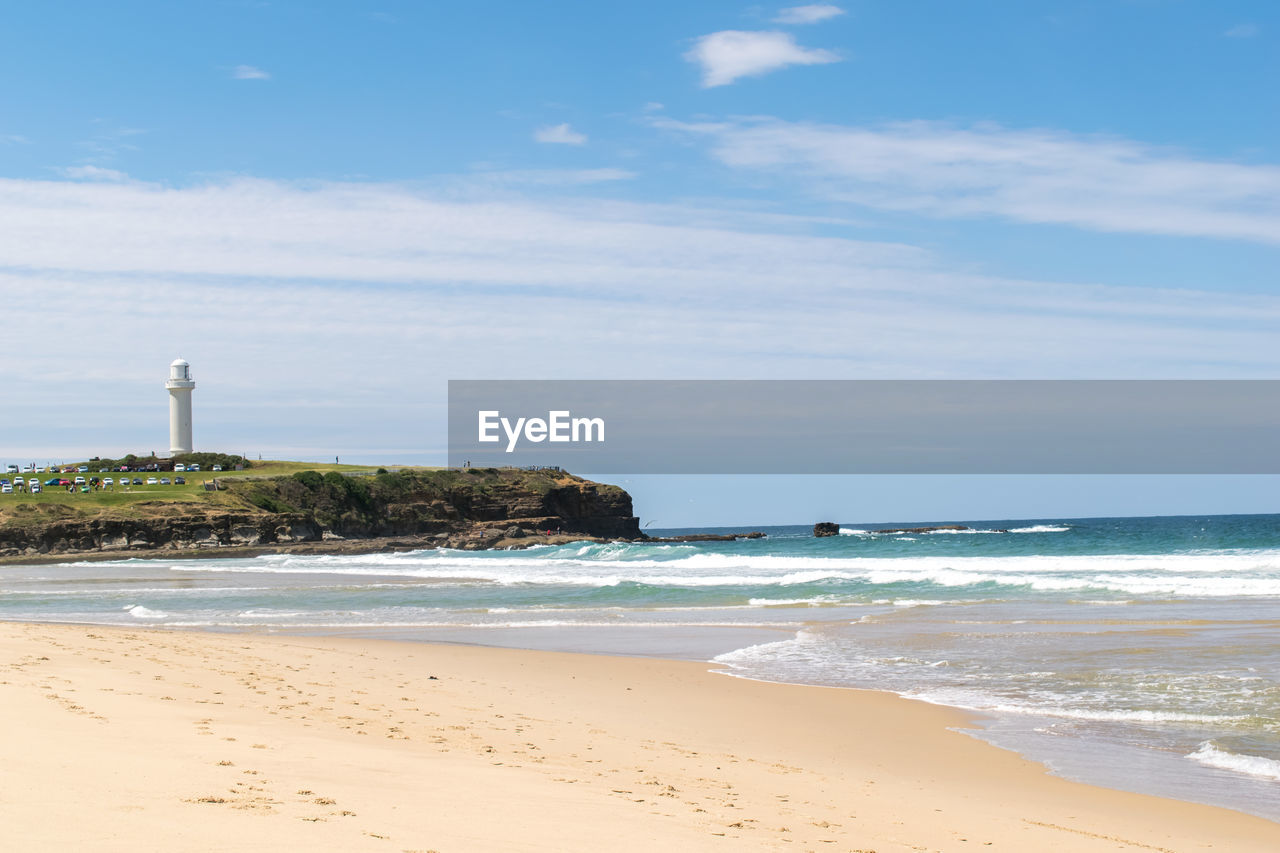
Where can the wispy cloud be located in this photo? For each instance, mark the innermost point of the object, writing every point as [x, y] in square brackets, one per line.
[548, 177]
[559, 134]
[93, 173]
[810, 14]
[1242, 31]
[729, 55]
[14, 139]
[109, 141]
[275, 272]
[249, 72]
[1040, 176]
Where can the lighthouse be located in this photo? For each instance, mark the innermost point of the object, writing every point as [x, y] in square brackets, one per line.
[180, 386]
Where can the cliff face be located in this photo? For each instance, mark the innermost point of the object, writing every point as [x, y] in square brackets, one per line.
[480, 508]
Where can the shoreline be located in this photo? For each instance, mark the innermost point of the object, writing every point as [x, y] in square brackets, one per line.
[163, 739]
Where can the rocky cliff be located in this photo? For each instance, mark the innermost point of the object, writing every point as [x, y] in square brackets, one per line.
[477, 508]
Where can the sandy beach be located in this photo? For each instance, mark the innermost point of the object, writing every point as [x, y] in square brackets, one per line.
[153, 740]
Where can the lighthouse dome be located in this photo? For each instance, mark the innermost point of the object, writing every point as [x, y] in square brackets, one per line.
[180, 369]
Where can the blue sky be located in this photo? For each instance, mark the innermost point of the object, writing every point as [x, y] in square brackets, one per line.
[332, 208]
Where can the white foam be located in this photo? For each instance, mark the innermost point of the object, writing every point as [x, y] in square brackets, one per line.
[1210, 574]
[1041, 528]
[1252, 765]
[814, 601]
[953, 532]
[1105, 716]
[139, 612]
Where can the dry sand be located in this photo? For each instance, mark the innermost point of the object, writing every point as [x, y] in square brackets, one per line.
[151, 740]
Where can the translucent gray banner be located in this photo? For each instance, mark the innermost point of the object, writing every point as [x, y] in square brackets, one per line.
[869, 426]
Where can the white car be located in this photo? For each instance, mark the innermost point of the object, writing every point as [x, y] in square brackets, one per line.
[18, 481]
[80, 481]
[108, 481]
[179, 467]
[151, 481]
[6, 489]
[35, 487]
[217, 467]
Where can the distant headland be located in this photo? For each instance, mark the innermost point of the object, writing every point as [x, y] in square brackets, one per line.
[246, 508]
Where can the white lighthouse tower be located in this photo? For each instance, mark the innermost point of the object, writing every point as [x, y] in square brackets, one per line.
[180, 386]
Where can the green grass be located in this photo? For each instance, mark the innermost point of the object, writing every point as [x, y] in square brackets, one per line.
[192, 492]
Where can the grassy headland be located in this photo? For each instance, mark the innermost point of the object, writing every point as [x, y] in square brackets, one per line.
[284, 504]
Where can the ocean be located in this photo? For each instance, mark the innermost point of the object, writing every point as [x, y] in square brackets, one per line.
[1137, 653]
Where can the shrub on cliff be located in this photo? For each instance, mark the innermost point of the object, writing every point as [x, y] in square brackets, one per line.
[206, 461]
[310, 479]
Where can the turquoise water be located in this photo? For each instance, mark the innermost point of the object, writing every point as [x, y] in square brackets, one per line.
[1138, 653]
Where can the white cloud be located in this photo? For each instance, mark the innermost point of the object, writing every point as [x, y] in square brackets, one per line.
[559, 134]
[810, 14]
[249, 72]
[311, 312]
[549, 177]
[1242, 31]
[1040, 176]
[93, 173]
[730, 54]
[14, 139]
[109, 141]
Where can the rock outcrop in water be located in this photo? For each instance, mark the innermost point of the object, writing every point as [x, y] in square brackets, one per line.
[311, 512]
[708, 537]
[826, 528]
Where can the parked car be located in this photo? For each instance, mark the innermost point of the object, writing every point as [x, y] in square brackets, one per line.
[12, 469]
[63, 481]
[83, 469]
[179, 467]
[79, 481]
[137, 481]
[6, 489]
[108, 481]
[18, 481]
[52, 481]
[217, 467]
[164, 481]
[179, 481]
[35, 487]
[151, 481]
[193, 467]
